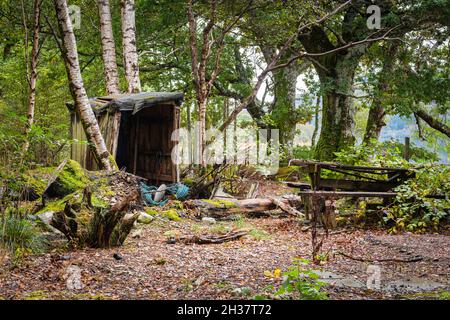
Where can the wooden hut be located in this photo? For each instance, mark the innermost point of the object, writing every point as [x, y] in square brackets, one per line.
[137, 129]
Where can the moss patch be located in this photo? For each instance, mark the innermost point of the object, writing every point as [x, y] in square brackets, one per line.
[286, 172]
[97, 202]
[171, 215]
[150, 211]
[36, 295]
[176, 204]
[188, 181]
[220, 203]
[37, 179]
[113, 162]
[58, 205]
[72, 177]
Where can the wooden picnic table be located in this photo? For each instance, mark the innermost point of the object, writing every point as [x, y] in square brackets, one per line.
[369, 179]
[365, 181]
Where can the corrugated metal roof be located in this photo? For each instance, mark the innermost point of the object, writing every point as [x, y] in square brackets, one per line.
[132, 102]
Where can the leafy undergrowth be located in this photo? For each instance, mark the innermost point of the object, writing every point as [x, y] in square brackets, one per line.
[299, 282]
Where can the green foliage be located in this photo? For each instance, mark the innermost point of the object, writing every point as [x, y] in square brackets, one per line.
[20, 236]
[444, 295]
[303, 152]
[412, 210]
[386, 154]
[299, 282]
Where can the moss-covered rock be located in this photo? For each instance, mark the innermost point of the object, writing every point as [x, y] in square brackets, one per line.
[58, 205]
[170, 214]
[70, 178]
[145, 218]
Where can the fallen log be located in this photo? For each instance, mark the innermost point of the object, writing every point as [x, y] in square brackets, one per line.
[209, 239]
[218, 208]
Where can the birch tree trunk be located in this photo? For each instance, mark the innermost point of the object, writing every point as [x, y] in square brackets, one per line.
[130, 55]
[82, 105]
[33, 75]
[108, 48]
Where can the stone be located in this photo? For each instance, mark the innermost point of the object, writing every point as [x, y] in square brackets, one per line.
[117, 256]
[136, 234]
[209, 220]
[145, 218]
[46, 217]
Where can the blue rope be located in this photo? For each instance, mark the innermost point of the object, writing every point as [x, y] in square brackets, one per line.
[178, 189]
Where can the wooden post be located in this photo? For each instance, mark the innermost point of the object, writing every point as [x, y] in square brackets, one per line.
[407, 149]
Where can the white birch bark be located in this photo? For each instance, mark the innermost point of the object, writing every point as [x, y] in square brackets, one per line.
[33, 75]
[130, 55]
[108, 48]
[82, 105]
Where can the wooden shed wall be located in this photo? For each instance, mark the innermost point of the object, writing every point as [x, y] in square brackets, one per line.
[80, 149]
[149, 132]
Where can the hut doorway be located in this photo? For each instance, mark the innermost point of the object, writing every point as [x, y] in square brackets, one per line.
[145, 144]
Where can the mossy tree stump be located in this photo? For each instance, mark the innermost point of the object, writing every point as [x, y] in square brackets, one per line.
[96, 226]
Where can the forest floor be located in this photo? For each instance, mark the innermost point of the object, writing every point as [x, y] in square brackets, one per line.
[151, 268]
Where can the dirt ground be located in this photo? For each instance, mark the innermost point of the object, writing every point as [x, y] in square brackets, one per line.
[152, 269]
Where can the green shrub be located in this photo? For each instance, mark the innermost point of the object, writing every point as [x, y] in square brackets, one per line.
[384, 154]
[20, 236]
[412, 210]
[303, 152]
[299, 282]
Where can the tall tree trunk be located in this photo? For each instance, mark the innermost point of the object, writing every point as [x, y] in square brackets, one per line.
[33, 75]
[108, 48]
[82, 105]
[130, 55]
[375, 118]
[338, 111]
[375, 121]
